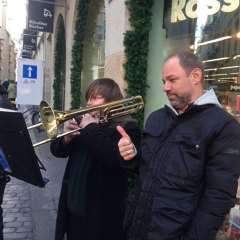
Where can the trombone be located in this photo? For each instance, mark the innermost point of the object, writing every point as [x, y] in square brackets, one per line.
[52, 119]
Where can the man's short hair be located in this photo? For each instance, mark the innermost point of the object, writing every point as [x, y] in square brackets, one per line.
[188, 61]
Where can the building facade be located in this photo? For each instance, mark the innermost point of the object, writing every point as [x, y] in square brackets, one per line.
[207, 28]
[8, 51]
[103, 46]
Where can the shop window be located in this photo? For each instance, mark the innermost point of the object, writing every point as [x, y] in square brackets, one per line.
[211, 30]
[94, 44]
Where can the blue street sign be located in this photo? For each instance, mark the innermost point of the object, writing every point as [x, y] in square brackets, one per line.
[29, 71]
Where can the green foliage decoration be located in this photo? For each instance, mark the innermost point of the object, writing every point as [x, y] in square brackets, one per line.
[136, 42]
[77, 53]
[59, 66]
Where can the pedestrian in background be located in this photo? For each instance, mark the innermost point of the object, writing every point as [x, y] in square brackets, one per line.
[92, 200]
[4, 103]
[11, 91]
[6, 83]
[190, 160]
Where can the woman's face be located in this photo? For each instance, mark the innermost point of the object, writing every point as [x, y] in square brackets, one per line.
[94, 101]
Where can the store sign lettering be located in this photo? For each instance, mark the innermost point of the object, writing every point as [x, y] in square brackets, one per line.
[235, 88]
[181, 10]
[225, 87]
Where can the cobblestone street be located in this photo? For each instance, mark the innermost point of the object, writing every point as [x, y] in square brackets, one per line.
[18, 220]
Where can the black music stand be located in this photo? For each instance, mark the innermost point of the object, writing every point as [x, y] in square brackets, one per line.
[17, 156]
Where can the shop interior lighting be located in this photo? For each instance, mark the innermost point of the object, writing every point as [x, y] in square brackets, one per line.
[228, 67]
[210, 69]
[232, 78]
[236, 56]
[214, 40]
[226, 81]
[216, 59]
[215, 69]
[209, 79]
[221, 79]
[218, 74]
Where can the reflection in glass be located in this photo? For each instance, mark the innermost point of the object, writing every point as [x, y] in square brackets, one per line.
[94, 45]
[211, 29]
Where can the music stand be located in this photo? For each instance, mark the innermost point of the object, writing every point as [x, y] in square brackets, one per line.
[17, 156]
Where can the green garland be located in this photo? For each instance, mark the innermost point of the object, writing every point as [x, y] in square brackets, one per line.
[136, 43]
[77, 53]
[59, 66]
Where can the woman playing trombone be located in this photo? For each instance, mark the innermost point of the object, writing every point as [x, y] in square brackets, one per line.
[92, 200]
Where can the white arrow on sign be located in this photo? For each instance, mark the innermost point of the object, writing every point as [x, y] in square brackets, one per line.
[29, 72]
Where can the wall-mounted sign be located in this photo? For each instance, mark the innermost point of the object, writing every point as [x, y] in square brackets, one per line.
[181, 16]
[29, 40]
[40, 16]
[26, 54]
[181, 10]
[29, 81]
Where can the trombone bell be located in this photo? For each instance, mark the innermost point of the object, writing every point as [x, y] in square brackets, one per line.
[48, 120]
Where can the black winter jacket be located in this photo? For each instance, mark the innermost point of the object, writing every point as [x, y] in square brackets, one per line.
[188, 175]
[106, 180]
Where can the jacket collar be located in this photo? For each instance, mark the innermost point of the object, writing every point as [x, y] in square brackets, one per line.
[208, 97]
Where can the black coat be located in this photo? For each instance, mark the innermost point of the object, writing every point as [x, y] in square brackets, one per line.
[4, 103]
[188, 175]
[106, 180]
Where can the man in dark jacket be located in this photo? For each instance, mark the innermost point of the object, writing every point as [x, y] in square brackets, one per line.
[190, 160]
[6, 84]
[4, 101]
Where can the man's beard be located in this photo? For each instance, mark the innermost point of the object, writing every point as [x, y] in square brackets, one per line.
[181, 101]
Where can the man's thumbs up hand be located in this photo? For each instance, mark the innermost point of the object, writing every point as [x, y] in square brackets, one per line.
[125, 145]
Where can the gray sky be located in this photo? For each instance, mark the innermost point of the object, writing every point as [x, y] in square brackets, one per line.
[17, 12]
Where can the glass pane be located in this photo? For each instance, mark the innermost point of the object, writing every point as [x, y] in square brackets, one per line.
[211, 29]
[94, 45]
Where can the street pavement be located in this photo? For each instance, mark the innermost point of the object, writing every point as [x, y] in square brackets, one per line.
[29, 212]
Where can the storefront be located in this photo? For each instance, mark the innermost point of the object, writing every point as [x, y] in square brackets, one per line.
[211, 29]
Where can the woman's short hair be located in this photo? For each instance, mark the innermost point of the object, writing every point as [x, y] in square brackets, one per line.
[105, 87]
